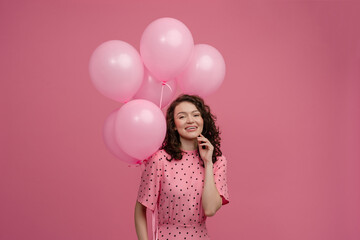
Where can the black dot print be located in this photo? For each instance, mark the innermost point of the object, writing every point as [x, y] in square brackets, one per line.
[174, 190]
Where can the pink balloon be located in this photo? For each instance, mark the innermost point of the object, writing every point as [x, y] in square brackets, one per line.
[116, 70]
[205, 72]
[165, 47]
[110, 141]
[140, 128]
[151, 90]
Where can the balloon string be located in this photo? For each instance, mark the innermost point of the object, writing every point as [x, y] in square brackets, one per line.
[138, 163]
[162, 92]
[134, 165]
[164, 83]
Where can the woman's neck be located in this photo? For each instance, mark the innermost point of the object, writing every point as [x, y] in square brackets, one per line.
[188, 144]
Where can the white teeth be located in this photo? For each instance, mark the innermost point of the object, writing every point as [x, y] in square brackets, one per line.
[191, 128]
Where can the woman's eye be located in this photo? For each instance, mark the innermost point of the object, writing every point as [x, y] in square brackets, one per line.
[196, 115]
[181, 117]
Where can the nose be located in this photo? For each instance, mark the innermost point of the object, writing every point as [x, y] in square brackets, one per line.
[189, 119]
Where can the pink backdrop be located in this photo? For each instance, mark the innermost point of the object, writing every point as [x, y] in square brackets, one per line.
[288, 110]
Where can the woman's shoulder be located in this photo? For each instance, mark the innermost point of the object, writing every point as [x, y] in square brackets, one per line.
[158, 157]
[161, 154]
[221, 159]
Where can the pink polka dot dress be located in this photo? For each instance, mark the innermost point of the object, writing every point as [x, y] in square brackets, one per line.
[174, 189]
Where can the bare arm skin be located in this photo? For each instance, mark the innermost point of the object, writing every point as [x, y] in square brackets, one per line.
[140, 221]
[211, 199]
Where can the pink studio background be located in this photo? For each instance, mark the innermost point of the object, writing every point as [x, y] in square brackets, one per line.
[288, 110]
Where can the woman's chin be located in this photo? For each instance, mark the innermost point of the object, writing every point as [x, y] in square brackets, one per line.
[191, 135]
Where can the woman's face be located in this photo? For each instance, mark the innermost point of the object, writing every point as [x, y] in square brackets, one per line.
[188, 120]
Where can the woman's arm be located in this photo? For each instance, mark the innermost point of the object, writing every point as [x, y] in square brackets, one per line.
[140, 221]
[211, 199]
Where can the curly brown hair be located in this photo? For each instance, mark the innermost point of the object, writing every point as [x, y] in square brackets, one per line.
[172, 143]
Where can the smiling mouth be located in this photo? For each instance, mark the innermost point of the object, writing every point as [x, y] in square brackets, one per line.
[191, 128]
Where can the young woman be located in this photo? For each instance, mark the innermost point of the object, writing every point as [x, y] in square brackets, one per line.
[185, 181]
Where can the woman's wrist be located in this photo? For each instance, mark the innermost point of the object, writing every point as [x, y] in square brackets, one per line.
[208, 164]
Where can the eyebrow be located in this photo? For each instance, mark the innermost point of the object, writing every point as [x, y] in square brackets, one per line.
[185, 112]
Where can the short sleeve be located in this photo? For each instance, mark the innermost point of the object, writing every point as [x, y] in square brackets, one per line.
[149, 188]
[220, 177]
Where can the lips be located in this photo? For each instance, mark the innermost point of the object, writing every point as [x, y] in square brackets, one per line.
[190, 128]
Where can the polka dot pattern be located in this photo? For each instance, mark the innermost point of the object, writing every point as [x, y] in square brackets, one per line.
[175, 188]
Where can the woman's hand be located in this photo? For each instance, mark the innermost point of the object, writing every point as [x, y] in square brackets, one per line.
[206, 149]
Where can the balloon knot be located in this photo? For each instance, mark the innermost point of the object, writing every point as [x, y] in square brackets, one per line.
[138, 163]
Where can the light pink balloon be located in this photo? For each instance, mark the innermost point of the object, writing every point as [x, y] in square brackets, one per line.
[205, 72]
[151, 90]
[165, 47]
[116, 70]
[110, 141]
[140, 128]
